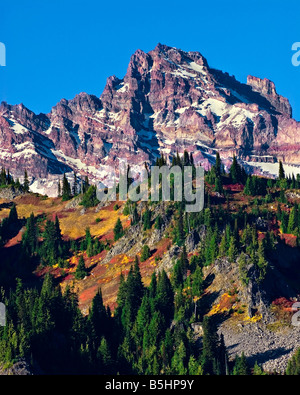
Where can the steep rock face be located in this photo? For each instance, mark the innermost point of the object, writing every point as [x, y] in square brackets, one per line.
[267, 89]
[22, 145]
[168, 100]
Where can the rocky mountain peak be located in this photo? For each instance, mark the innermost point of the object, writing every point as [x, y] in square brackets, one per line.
[267, 89]
[168, 100]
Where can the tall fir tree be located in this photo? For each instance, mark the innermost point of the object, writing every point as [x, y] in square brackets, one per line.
[118, 230]
[234, 170]
[26, 182]
[218, 165]
[281, 173]
[74, 188]
[81, 271]
[98, 317]
[66, 189]
[210, 346]
[30, 236]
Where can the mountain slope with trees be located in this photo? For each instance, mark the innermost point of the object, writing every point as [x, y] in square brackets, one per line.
[157, 290]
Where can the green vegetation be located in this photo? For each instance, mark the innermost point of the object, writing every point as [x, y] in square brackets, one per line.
[7, 180]
[293, 368]
[244, 222]
[80, 269]
[145, 253]
[118, 230]
[51, 249]
[90, 198]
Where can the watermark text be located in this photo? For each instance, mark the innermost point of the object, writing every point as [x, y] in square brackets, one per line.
[296, 55]
[164, 183]
[2, 55]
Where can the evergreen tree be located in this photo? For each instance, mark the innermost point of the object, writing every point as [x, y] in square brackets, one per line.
[223, 247]
[135, 216]
[262, 262]
[145, 253]
[293, 368]
[158, 222]
[52, 247]
[257, 370]
[178, 363]
[197, 282]
[293, 220]
[118, 230]
[26, 182]
[81, 271]
[30, 236]
[97, 317]
[281, 173]
[186, 158]
[293, 182]
[90, 197]
[66, 189]
[74, 189]
[178, 159]
[9, 178]
[234, 170]
[138, 283]
[121, 297]
[177, 275]
[180, 268]
[241, 367]
[132, 302]
[3, 177]
[284, 222]
[297, 183]
[194, 368]
[59, 189]
[18, 184]
[179, 235]
[282, 197]
[243, 269]
[153, 286]
[165, 296]
[237, 172]
[147, 219]
[218, 165]
[222, 357]
[58, 235]
[143, 317]
[210, 346]
[207, 218]
[87, 243]
[248, 186]
[13, 215]
[105, 357]
[233, 249]
[85, 184]
[218, 185]
[184, 259]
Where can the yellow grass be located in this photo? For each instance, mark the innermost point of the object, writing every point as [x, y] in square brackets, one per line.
[255, 318]
[37, 207]
[72, 223]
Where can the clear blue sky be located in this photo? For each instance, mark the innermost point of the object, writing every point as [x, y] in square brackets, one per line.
[58, 48]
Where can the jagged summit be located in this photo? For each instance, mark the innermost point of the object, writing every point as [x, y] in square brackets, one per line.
[168, 99]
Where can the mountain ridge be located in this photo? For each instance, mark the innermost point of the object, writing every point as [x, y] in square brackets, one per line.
[168, 100]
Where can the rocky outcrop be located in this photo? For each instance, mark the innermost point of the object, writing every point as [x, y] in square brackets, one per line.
[272, 350]
[20, 368]
[267, 89]
[268, 341]
[9, 193]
